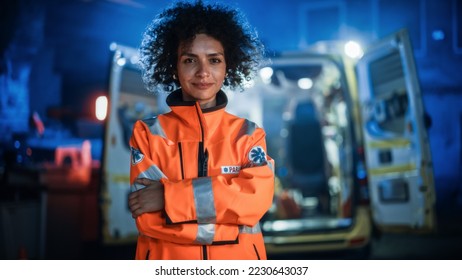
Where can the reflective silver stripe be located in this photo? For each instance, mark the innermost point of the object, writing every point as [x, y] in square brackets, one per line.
[248, 128]
[205, 234]
[204, 201]
[270, 165]
[152, 173]
[136, 187]
[155, 127]
[251, 230]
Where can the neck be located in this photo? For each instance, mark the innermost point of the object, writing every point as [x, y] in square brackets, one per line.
[208, 104]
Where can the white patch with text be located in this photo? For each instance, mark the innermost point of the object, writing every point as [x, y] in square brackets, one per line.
[230, 169]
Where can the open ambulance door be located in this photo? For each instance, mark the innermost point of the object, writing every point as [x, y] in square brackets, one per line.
[396, 145]
[128, 101]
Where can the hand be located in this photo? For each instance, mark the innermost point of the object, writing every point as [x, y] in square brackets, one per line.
[149, 199]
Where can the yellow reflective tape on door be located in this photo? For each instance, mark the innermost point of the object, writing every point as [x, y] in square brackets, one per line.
[395, 143]
[392, 169]
[120, 178]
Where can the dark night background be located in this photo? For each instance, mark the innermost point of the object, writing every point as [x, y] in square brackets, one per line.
[55, 57]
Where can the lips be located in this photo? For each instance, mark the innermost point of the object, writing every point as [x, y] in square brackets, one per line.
[202, 85]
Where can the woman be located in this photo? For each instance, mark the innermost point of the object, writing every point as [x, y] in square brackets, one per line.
[200, 176]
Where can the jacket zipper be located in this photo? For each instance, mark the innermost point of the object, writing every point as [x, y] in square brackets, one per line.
[256, 251]
[204, 252]
[181, 160]
[202, 167]
[203, 158]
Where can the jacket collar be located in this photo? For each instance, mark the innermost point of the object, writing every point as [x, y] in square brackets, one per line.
[176, 99]
[190, 114]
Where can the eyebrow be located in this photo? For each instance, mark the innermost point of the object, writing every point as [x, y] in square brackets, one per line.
[195, 55]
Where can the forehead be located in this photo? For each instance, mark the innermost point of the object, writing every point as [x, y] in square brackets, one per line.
[201, 43]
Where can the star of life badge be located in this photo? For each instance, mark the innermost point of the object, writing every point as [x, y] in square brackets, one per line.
[257, 155]
[136, 156]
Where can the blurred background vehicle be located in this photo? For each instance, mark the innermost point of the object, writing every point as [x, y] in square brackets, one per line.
[352, 153]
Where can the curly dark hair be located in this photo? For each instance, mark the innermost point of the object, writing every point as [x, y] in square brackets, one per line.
[179, 24]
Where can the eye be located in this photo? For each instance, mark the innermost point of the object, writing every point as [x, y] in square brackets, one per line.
[188, 60]
[215, 60]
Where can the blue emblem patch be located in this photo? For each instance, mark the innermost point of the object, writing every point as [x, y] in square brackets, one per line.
[137, 156]
[257, 155]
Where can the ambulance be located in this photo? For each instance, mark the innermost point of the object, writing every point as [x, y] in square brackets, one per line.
[347, 131]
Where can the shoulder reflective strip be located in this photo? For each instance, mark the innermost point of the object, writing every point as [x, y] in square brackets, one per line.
[392, 169]
[205, 234]
[203, 200]
[395, 143]
[155, 127]
[248, 128]
[252, 230]
[152, 173]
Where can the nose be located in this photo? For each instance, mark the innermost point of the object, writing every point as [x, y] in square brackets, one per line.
[203, 70]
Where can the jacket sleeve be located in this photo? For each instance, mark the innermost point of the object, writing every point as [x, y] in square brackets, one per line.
[240, 200]
[153, 224]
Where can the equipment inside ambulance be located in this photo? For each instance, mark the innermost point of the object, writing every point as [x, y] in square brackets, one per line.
[347, 135]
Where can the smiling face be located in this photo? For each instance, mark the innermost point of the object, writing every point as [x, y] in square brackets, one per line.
[201, 69]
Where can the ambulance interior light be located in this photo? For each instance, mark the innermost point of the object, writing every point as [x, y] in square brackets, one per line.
[353, 49]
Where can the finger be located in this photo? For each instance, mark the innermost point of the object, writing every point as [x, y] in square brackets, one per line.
[133, 209]
[133, 195]
[137, 212]
[139, 180]
[132, 201]
[133, 205]
[143, 181]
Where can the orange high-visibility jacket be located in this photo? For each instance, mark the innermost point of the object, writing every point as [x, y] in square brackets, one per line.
[218, 182]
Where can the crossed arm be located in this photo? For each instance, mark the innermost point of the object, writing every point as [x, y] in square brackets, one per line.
[148, 199]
